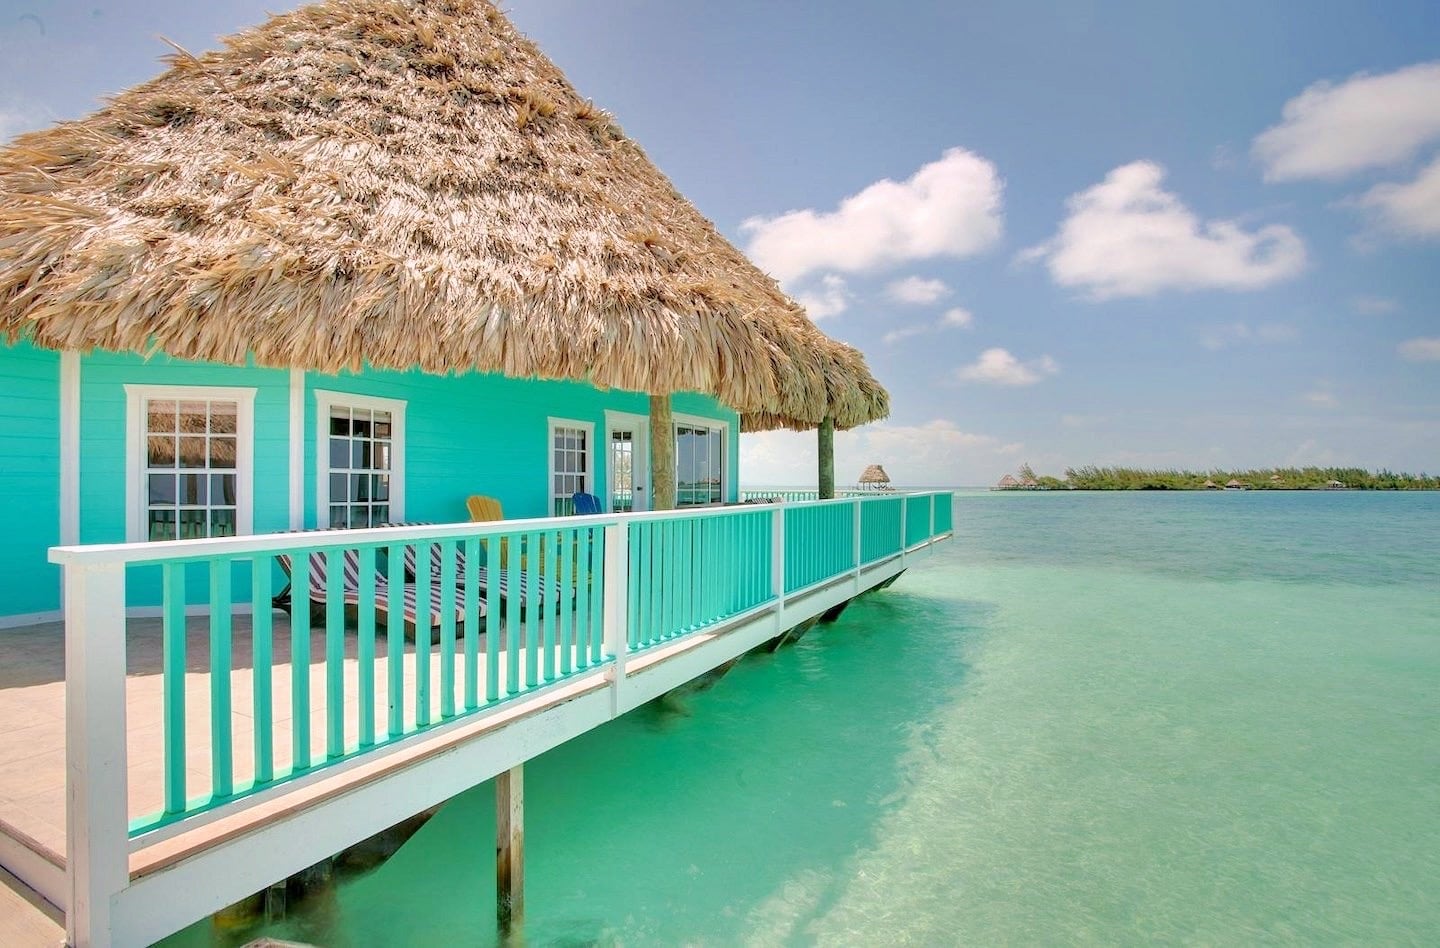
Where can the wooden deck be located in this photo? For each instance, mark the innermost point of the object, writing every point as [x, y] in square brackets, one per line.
[32, 715]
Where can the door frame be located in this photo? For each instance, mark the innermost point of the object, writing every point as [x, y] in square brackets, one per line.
[639, 428]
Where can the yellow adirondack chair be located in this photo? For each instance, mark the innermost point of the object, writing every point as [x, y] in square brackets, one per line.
[484, 509]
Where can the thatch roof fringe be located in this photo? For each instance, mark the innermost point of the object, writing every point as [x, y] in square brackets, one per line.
[396, 183]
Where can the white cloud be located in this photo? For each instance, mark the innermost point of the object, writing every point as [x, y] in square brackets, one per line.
[1411, 209]
[830, 298]
[999, 367]
[906, 332]
[949, 208]
[1373, 305]
[917, 291]
[1322, 399]
[1127, 236]
[955, 318]
[1233, 334]
[1421, 350]
[958, 317]
[935, 453]
[1329, 130]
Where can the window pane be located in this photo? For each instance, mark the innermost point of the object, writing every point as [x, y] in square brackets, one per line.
[382, 514]
[339, 453]
[382, 456]
[162, 489]
[160, 451]
[360, 454]
[224, 417]
[222, 489]
[193, 489]
[192, 524]
[222, 452]
[359, 486]
[360, 515]
[339, 484]
[162, 524]
[192, 453]
[222, 522]
[380, 487]
[160, 415]
[339, 421]
[337, 515]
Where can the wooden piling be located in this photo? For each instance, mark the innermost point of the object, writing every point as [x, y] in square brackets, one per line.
[826, 435]
[662, 453]
[510, 849]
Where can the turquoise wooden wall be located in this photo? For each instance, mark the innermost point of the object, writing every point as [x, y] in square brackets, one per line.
[468, 434]
[29, 478]
[488, 434]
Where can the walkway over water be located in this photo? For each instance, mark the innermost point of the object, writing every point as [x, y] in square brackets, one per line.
[219, 746]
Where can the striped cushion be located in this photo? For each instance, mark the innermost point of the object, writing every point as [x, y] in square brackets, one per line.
[350, 590]
[546, 590]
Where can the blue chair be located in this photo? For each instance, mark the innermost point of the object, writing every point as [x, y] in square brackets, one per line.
[586, 504]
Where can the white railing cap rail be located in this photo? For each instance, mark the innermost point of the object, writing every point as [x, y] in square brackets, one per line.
[161, 551]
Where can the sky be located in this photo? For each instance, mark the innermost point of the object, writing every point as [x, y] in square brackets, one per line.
[1158, 234]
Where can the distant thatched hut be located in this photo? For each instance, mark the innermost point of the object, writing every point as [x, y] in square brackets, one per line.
[874, 478]
[1008, 482]
[1210, 484]
[1233, 484]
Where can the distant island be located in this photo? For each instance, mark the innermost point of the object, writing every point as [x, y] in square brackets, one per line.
[1280, 478]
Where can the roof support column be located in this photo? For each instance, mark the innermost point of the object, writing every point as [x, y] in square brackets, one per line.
[826, 434]
[662, 454]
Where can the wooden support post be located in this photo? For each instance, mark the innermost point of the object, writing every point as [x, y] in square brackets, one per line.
[510, 849]
[96, 787]
[826, 434]
[662, 454]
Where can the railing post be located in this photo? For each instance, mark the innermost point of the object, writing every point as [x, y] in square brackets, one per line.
[777, 554]
[934, 500]
[96, 787]
[904, 526]
[859, 522]
[617, 605]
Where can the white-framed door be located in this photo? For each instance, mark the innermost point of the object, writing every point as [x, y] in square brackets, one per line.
[627, 462]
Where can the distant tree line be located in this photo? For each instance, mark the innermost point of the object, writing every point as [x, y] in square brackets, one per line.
[1091, 477]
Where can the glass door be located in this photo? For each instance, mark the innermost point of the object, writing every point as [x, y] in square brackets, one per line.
[628, 465]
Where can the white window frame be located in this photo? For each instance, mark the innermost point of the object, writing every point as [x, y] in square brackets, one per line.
[136, 485]
[589, 428]
[325, 400]
[678, 419]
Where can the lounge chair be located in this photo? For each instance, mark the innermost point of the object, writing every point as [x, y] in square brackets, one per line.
[586, 504]
[385, 598]
[504, 578]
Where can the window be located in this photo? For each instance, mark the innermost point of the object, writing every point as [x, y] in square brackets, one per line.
[570, 474]
[188, 470]
[699, 463]
[361, 464]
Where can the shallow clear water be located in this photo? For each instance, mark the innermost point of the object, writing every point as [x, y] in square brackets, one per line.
[1207, 718]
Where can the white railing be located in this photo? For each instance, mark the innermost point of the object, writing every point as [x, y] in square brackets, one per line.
[399, 635]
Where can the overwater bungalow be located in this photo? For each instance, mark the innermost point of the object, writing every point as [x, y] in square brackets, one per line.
[874, 478]
[372, 263]
[1008, 482]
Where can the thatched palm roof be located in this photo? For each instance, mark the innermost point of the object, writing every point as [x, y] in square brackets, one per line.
[874, 474]
[396, 183]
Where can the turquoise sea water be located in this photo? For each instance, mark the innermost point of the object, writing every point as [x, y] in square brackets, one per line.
[1093, 718]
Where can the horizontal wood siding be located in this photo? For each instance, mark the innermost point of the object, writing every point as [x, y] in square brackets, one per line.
[29, 478]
